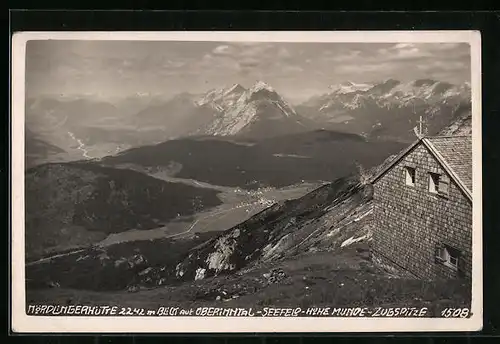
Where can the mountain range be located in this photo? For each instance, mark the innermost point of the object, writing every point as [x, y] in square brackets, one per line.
[255, 163]
[258, 112]
[75, 204]
[308, 251]
[38, 150]
[389, 109]
[93, 127]
[234, 137]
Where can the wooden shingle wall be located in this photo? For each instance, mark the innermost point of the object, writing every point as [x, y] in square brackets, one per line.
[409, 222]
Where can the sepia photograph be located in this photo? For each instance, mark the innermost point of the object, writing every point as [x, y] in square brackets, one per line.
[205, 181]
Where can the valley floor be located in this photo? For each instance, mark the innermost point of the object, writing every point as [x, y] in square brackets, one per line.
[238, 205]
[346, 278]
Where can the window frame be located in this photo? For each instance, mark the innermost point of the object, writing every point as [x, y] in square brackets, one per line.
[444, 179]
[411, 173]
[450, 254]
[437, 180]
[434, 182]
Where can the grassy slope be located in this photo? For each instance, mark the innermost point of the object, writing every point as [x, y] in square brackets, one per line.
[313, 279]
[110, 268]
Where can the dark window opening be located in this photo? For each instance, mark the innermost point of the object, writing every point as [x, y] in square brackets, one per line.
[410, 176]
[448, 256]
[439, 184]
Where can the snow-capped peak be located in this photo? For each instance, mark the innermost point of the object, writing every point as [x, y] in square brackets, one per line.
[350, 87]
[239, 108]
[261, 85]
[465, 86]
[236, 88]
[223, 98]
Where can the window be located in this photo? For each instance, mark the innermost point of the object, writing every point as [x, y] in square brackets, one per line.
[410, 176]
[438, 184]
[433, 182]
[448, 256]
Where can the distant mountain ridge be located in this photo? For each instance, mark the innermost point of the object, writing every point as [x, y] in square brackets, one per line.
[349, 86]
[390, 108]
[106, 127]
[259, 162]
[385, 110]
[255, 112]
[39, 151]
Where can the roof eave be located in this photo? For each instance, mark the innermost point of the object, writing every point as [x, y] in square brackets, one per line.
[401, 155]
[438, 157]
[448, 168]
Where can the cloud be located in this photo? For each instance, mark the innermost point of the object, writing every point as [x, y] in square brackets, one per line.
[207, 57]
[176, 64]
[343, 56]
[244, 58]
[449, 46]
[249, 62]
[113, 67]
[443, 66]
[69, 71]
[258, 50]
[403, 51]
[411, 53]
[222, 50]
[284, 53]
[292, 69]
[403, 61]
[357, 69]
[404, 46]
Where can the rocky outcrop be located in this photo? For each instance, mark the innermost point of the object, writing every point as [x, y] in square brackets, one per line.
[461, 126]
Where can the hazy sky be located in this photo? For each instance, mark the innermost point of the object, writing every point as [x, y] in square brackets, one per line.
[296, 70]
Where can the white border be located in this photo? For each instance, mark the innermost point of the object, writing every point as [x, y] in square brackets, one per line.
[42, 324]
